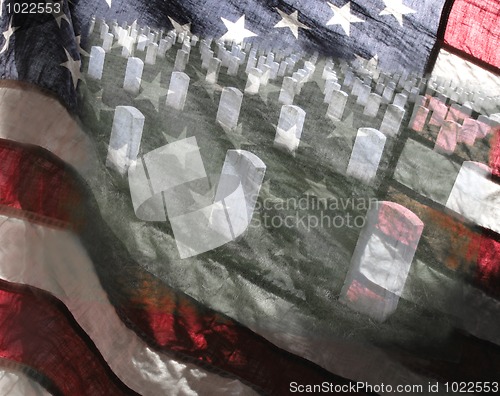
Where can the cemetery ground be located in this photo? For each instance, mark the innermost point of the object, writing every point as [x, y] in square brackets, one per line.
[292, 273]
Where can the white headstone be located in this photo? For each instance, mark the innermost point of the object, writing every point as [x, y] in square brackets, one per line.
[233, 66]
[213, 71]
[266, 75]
[372, 105]
[356, 86]
[414, 93]
[151, 53]
[282, 69]
[348, 78]
[165, 45]
[274, 70]
[122, 36]
[400, 100]
[337, 105]
[252, 61]
[392, 120]
[475, 196]
[289, 129]
[96, 62]
[330, 86]
[388, 93]
[107, 42]
[253, 82]
[261, 62]
[104, 30]
[177, 90]
[287, 92]
[363, 94]
[142, 41]
[418, 118]
[468, 132]
[128, 47]
[91, 26]
[229, 107]
[133, 75]
[366, 154]
[446, 141]
[439, 110]
[381, 260]
[230, 214]
[181, 60]
[125, 140]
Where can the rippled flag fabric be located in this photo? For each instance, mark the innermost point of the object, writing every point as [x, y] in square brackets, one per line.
[105, 326]
[43, 52]
[473, 29]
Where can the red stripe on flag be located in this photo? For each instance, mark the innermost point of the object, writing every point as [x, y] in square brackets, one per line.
[36, 188]
[166, 319]
[38, 331]
[474, 28]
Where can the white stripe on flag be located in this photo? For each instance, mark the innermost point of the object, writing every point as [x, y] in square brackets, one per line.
[18, 384]
[29, 116]
[55, 261]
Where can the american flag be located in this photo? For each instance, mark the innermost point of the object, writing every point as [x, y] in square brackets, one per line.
[86, 310]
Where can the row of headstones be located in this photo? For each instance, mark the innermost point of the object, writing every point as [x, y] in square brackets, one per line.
[127, 36]
[455, 122]
[387, 243]
[259, 71]
[385, 93]
[363, 164]
[391, 230]
[439, 86]
[366, 153]
[154, 44]
[258, 76]
[133, 72]
[366, 289]
[476, 99]
[470, 196]
[262, 70]
[292, 85]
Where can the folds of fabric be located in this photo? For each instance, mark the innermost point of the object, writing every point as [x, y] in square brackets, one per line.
[45, 123]
[38, 331]
[14, 383]
[53, 259]
[163, 320]
[473, 28]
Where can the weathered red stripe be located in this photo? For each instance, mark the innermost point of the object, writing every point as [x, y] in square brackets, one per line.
[166, 319]
[38, 331]
[474, 29]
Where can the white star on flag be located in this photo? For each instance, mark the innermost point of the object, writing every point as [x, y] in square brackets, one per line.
[73, 66]
[397, 9]
[343, 17]
[59, 16]
[186, 28]
[82, 52]
[7, 35]
[109, 3]
[152, 91]
[290, 21]
[236, 31]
